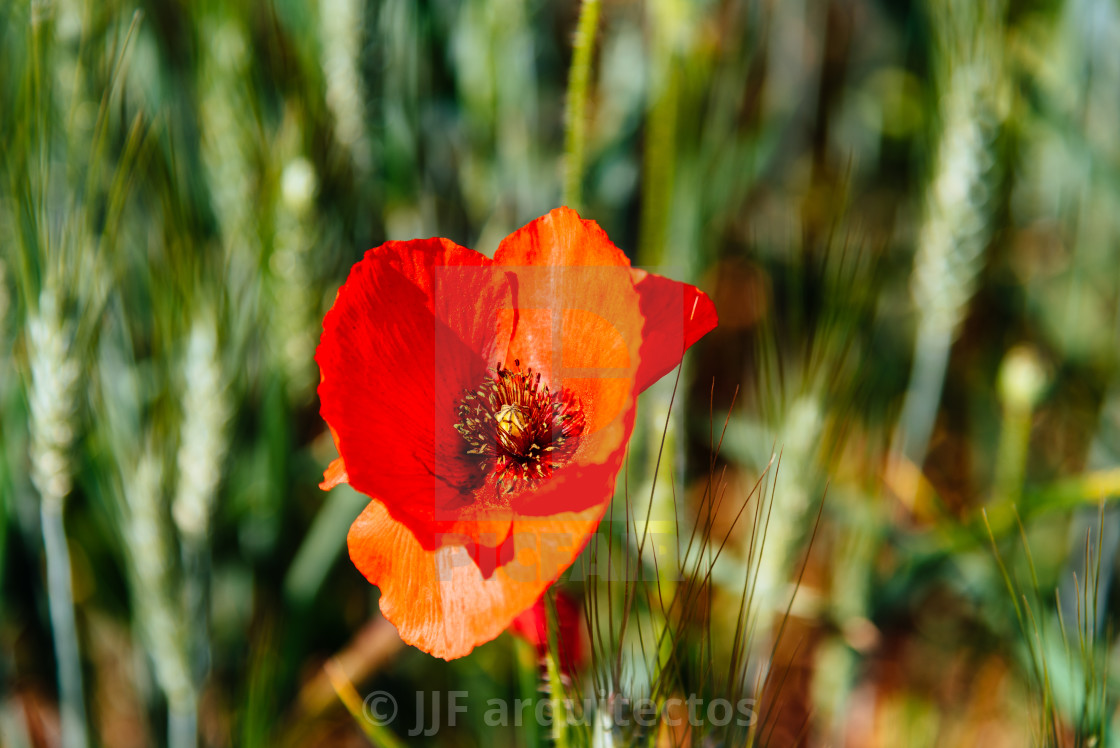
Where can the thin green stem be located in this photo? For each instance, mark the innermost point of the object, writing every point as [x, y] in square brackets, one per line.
[556, 690]
[578, 81]
[528, 677]
[6, 491]
[660, 153]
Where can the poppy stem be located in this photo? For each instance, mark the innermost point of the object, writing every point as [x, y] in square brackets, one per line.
[578, 80]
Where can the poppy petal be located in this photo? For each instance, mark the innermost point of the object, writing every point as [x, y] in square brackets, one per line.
[559, 238]
[533, 627]
[438, 599]
[334, 474]
[579, 321]
[676, 316]
[399, 346]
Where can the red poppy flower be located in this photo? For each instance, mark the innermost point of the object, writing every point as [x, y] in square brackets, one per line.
[484, 406]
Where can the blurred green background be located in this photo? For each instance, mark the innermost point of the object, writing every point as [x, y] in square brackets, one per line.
[907, 215]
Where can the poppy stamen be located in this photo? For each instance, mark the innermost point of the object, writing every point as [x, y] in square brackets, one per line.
[519, 430]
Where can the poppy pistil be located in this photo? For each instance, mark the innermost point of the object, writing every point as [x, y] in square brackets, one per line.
[519, 430]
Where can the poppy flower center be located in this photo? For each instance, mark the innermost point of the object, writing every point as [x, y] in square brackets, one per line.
[517, 428]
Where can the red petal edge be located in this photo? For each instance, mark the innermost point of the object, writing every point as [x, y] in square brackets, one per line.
[676, 316]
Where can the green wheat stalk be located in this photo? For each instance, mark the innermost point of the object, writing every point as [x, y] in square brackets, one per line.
[956, 226]
[52, 401]
[340, 38]
[61, 287]
[203, 440]
[160, 618]
[296, 303]
[579, 80]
